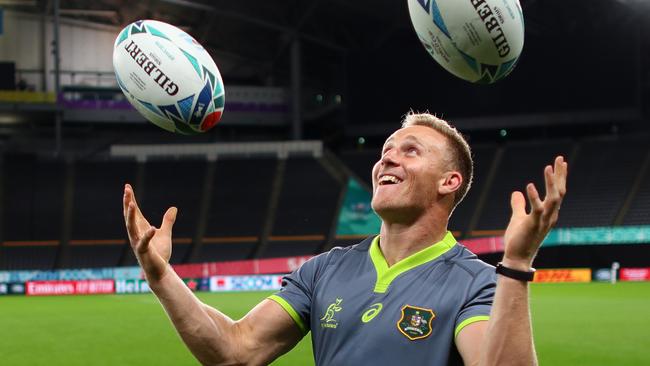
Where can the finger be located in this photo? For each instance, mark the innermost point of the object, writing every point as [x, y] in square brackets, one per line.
[549, 183]
[131, 227]
[168, 220]
[536, 205]
[127, 198]
[125, 205]
[518, 204]
[561, 171]
[553, 198]
[142, 223]
[143, 243]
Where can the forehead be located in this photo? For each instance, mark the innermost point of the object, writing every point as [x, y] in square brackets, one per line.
[422, 134]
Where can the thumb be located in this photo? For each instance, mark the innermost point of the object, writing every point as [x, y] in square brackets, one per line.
[143, 244]
[518, 203]
[169, 219]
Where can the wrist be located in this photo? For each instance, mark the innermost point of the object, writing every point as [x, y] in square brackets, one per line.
[519, 275]
[155, 275]
[517, 264]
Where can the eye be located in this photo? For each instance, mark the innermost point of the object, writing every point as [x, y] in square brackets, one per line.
[412, 150]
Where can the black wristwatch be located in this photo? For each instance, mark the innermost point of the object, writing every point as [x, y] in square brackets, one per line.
[516, 274]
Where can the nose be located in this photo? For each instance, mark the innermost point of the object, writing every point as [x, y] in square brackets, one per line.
[389, 158]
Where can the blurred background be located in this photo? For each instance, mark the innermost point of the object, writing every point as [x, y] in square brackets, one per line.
[313, 88]
[326, 82]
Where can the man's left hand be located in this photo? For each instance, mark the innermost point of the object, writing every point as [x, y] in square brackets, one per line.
[526, 231]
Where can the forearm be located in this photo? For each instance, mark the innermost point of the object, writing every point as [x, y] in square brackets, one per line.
[207, 333]
[509, 339]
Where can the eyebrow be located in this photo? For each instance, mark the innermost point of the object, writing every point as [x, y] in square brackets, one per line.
[411, 138]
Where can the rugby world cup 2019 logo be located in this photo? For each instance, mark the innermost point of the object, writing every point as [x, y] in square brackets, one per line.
[415, 322]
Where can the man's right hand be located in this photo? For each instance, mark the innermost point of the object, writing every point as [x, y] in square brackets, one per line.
[266, 332]
[152, 247]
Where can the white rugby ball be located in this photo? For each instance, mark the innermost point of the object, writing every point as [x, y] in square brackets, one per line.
[477, 40]
[168, 77]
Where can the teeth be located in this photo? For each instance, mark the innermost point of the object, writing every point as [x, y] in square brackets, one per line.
[389, 178]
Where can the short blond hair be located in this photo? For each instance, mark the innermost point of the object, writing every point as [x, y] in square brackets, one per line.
[460, 153]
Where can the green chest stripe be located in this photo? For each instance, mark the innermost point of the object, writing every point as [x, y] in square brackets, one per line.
[386, 275]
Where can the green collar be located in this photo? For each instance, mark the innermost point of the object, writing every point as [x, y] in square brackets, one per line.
[386, 275]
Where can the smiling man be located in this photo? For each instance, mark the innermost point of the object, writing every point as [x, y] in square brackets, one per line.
[411, 294]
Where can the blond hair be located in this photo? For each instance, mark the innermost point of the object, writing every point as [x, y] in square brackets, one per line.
[460, 158]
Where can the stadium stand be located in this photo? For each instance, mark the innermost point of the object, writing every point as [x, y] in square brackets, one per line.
[173, 183]
[600, 180]
[238, 207]
[240, 197]
[98, 238]
[32, 211]
[237, 216]
[307, 199]
[461, 218]
[639, 210]
[306, 208]
[98, 189]
[229, 251]
[94, 255]
[520, 164]
[33, 204]
[361, 163]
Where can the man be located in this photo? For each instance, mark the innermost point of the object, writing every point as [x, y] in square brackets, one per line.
[405, 296]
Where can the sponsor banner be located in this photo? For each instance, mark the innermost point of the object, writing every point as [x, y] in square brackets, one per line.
[598, 235]
[484, 245]
[281, 265]
[131, 286]
[118, 273]
[192, 283]
[42, 288]
[245, 283]
[635, 274]
[12, 288]
[563, 275]
[195, 271]
[603, 275]
[127, 273]
[204, 284]
[16, 288]
[247, 267]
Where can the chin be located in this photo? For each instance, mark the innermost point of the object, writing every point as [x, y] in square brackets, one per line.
[394, 212]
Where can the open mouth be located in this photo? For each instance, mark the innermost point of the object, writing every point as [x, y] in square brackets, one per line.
[388, 179]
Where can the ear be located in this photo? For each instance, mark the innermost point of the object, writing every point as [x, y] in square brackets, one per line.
[450, 182]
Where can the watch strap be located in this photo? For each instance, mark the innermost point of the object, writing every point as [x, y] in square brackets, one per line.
[515, 274]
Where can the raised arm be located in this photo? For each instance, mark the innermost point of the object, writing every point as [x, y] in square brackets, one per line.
[265, 333]
[506, 339]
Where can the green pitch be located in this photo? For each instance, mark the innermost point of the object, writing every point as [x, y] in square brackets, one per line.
[575, 324]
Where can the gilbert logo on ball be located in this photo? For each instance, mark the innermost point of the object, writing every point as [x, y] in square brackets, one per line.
[168, 77]
[476, 40]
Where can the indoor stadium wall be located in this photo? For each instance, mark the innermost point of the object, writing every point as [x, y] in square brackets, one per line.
[60, 213]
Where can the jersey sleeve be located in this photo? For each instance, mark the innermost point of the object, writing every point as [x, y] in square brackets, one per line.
[479, 300]
[297, 291]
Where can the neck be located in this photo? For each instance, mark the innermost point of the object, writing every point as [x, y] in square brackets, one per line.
[398, 241]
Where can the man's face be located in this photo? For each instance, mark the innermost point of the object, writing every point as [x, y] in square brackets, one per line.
[405, 180]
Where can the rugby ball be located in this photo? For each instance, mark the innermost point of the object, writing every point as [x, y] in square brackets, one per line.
[476, 40]
[168, 77]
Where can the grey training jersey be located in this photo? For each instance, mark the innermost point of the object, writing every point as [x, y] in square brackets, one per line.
[361, 312]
